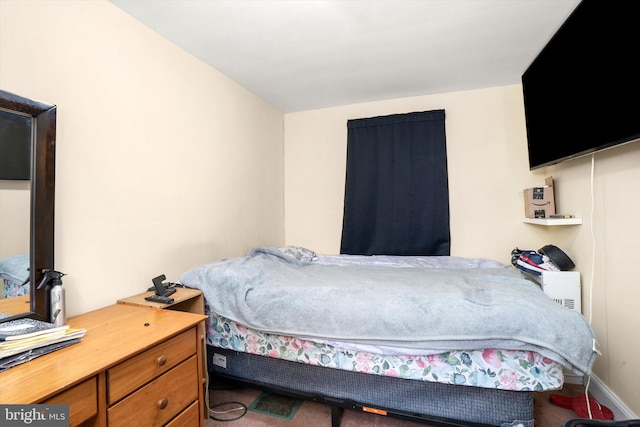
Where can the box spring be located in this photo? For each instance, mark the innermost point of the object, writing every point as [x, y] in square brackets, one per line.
[434, 403]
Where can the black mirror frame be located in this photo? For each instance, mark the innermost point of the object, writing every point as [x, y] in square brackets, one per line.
[42, 196]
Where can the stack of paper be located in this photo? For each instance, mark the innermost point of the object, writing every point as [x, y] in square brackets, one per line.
[25, 339]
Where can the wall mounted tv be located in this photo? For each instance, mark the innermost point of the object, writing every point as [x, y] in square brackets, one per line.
[582, 91]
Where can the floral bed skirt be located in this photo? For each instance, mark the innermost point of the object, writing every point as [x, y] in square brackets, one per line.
[504, 369]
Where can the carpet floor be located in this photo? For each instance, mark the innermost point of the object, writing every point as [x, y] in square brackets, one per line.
[312, 414]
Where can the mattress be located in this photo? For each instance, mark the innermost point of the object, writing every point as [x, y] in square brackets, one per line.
[421, 303]
[503, 369]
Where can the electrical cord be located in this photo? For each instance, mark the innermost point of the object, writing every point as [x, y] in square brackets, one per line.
[214, 414]
[593, 272]
[241, 407]
[593, 240]
[591, 281]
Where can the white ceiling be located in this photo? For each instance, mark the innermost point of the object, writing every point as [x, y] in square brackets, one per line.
[307, 54]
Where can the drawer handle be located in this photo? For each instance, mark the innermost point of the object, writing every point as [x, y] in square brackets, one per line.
[162, 403]
[161, 360]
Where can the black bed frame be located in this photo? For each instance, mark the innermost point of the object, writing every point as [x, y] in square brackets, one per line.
[421, 401]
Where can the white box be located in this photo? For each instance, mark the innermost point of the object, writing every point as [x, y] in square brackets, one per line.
[563, 287]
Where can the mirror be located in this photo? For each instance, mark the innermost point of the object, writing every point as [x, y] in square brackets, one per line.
[16, 140]
[41, 210]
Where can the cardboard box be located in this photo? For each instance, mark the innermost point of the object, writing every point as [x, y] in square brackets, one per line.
[539, 201]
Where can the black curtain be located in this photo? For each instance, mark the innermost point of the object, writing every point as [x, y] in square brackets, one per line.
[396, 191]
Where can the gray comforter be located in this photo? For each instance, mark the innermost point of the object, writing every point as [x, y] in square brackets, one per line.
[421, 308]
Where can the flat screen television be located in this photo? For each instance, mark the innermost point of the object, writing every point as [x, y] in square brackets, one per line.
[582, 91]
[15, 146]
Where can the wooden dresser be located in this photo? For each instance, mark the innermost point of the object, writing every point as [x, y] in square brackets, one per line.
[134, 367]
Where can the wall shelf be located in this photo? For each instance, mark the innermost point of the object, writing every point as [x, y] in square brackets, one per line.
[553, 221]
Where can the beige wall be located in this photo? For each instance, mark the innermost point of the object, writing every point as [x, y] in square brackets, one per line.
[610, 235]
[487, 161]
[162, 162]
[488, 169]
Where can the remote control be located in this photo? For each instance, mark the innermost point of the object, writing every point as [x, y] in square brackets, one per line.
[159, 298]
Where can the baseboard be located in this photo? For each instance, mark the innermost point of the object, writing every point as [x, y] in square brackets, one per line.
[606, 397]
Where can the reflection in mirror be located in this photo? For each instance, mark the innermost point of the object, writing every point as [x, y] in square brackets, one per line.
[16, 139]
[32, 180]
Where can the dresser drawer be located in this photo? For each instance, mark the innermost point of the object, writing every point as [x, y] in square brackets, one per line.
[137, 371]
[161, 400]
[188, 418]
[82, 400]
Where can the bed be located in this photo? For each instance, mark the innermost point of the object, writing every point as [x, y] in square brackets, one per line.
[14, 275]
[447, 340]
